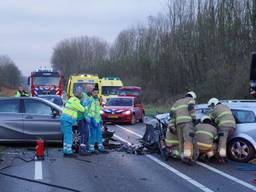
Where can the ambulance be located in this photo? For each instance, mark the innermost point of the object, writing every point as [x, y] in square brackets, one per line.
[82, 80]
[109, 87]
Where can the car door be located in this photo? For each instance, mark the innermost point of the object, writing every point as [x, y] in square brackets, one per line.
[11, 124]
[39, 122]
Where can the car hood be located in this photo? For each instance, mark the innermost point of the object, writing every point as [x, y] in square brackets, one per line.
[117, 108]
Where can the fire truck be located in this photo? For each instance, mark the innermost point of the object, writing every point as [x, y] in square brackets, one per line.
[46, 82]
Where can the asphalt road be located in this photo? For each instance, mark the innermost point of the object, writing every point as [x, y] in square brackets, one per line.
[118, 171]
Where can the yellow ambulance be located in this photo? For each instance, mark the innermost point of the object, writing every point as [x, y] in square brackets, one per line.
[82, 80]
[109, 87]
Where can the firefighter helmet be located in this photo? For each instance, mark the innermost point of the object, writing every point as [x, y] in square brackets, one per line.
[205, 117]
[213, 102]
[191, 94]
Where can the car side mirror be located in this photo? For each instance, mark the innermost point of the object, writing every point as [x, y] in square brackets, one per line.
[55, 113]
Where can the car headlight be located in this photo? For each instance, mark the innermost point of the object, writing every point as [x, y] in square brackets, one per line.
[101, 112]
[127, 112]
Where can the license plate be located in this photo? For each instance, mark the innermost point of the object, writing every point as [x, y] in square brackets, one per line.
[113, 116]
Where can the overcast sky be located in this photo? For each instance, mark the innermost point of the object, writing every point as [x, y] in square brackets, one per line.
[30, 29]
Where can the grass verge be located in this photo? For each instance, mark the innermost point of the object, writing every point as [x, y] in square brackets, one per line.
[151, 110]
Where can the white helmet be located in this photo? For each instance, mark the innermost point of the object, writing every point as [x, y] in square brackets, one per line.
[192, 94]
[213, 101]
[204, 118]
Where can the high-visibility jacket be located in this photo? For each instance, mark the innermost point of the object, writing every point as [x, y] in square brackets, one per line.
[84, 101]
[223, 116]
[205, 135]
[21, 94]
[72, 107]
[184, 111]
[93, 109]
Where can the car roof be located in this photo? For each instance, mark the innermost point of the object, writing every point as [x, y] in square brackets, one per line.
[122, 97]
[32, 98]
[130, 87]
[234, 105]
[49, 96]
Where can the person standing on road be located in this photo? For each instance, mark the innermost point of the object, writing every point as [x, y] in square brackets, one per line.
[68, 119]
[95, 123]
[183, 112]
[21, 92]
[205, 135]
[82, 122]
[223, 117]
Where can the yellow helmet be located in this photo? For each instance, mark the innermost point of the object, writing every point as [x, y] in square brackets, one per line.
[192, 94]
[213, 102]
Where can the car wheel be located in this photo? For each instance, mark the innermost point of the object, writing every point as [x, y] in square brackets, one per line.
[142, 118]
[133, 121]
[240, 150]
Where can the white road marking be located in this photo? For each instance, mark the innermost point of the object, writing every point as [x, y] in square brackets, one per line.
[38, 170]
[128, 130]
[230, 177]
[173, 170]
[245, 184]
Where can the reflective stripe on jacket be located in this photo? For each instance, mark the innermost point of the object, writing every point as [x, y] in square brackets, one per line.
[223, 116]
[183, 110]
[205, 135]
[72, 107]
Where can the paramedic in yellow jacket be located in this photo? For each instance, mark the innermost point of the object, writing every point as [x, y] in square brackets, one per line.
[68, 119]
[183, 112]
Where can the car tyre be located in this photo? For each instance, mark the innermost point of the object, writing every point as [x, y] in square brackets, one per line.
[133, 121]
[240, 150]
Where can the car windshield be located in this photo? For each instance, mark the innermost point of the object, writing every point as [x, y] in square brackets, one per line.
[130, 92]
[110, 90]
[243, 116]
[119, 102]
[46, 81]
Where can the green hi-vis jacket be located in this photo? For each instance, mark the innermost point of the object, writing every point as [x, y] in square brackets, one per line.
[223, 116]
[72, 107]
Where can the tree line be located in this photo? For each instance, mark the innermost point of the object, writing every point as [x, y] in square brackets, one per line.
[10, 75]
[199, 45]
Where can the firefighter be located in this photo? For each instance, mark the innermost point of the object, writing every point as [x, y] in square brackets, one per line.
[82, 123]
[184, 114]
[171, 140]
[95, 123]
[225, 121]
[21, 92]
[205, 135]
[68, 119]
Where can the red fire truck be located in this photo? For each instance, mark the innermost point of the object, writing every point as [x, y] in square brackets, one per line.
[46, 82]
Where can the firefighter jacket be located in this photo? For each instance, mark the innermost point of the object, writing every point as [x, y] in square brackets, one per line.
[183, 110]
[223, 116]
[72, 107]
[205, 136]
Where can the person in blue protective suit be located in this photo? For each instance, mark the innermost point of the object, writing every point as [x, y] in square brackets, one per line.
[83, 125]
[95, 123]
[68, 119]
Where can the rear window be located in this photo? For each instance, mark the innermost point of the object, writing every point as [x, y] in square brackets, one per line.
[9, 106]
[243, 116]
[119, 102]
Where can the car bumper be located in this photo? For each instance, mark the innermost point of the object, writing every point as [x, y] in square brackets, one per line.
[118, 118]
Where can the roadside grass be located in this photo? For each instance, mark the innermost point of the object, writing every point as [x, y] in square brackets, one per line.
[151, 110]
[1, 150]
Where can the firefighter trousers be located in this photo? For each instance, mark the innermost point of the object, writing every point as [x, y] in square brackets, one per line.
[225, 133]
[185, 140]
